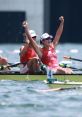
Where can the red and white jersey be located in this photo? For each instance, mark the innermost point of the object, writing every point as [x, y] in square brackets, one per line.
[49, 57]
[29, 54]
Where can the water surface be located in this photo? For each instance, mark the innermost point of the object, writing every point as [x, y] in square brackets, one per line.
[26, 99]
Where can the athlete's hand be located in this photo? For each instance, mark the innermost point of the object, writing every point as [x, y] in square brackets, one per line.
[61, 18]
[24, 24]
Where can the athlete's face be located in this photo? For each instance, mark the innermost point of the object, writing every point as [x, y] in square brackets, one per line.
[47, 41]
[34, 38]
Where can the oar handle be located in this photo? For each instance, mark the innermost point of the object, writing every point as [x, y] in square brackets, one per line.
[67, 57]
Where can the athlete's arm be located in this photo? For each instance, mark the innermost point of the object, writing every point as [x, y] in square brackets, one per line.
[33, 43]
[59, 31]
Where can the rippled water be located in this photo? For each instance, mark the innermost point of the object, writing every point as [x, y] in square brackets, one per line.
[27, 99]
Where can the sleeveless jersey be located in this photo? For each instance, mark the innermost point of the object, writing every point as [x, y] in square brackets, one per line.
[49, 57]
[28, 55]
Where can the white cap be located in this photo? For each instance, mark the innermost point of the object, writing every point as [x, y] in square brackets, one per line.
[45, 36]
[32, 32]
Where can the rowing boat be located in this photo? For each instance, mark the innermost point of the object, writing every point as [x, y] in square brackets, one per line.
[15, 75]
[62, 80]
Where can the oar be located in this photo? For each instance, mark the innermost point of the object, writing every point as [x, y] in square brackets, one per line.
[12, 65]
[76, 69]
[60, 89]
[68, 66]
[43, 67]
[75, 59]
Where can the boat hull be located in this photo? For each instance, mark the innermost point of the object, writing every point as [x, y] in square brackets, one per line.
[77, 78]
[67, 81]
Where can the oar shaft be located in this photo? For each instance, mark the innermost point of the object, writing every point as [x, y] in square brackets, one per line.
[76, 69]
[75, 59]
[68, 66]
[14, 65]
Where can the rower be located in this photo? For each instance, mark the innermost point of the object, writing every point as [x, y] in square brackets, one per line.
[28, 55]
[3, 63]
[47, 53]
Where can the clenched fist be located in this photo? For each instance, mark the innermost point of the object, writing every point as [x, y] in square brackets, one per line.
[24, 24]
[61, 18]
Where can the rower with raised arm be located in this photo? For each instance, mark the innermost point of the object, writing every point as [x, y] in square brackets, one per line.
[47, 53]
[28, 55]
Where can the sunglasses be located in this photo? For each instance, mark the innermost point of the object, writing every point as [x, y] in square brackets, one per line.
[34, 38]
[49, 40]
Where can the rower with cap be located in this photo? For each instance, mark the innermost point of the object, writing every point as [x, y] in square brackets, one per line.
[28, 55]
[47, 53]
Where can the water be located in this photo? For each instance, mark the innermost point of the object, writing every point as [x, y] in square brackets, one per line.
[27, 99]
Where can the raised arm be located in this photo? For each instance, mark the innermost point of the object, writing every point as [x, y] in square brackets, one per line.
[33, 43]
[59, 31]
